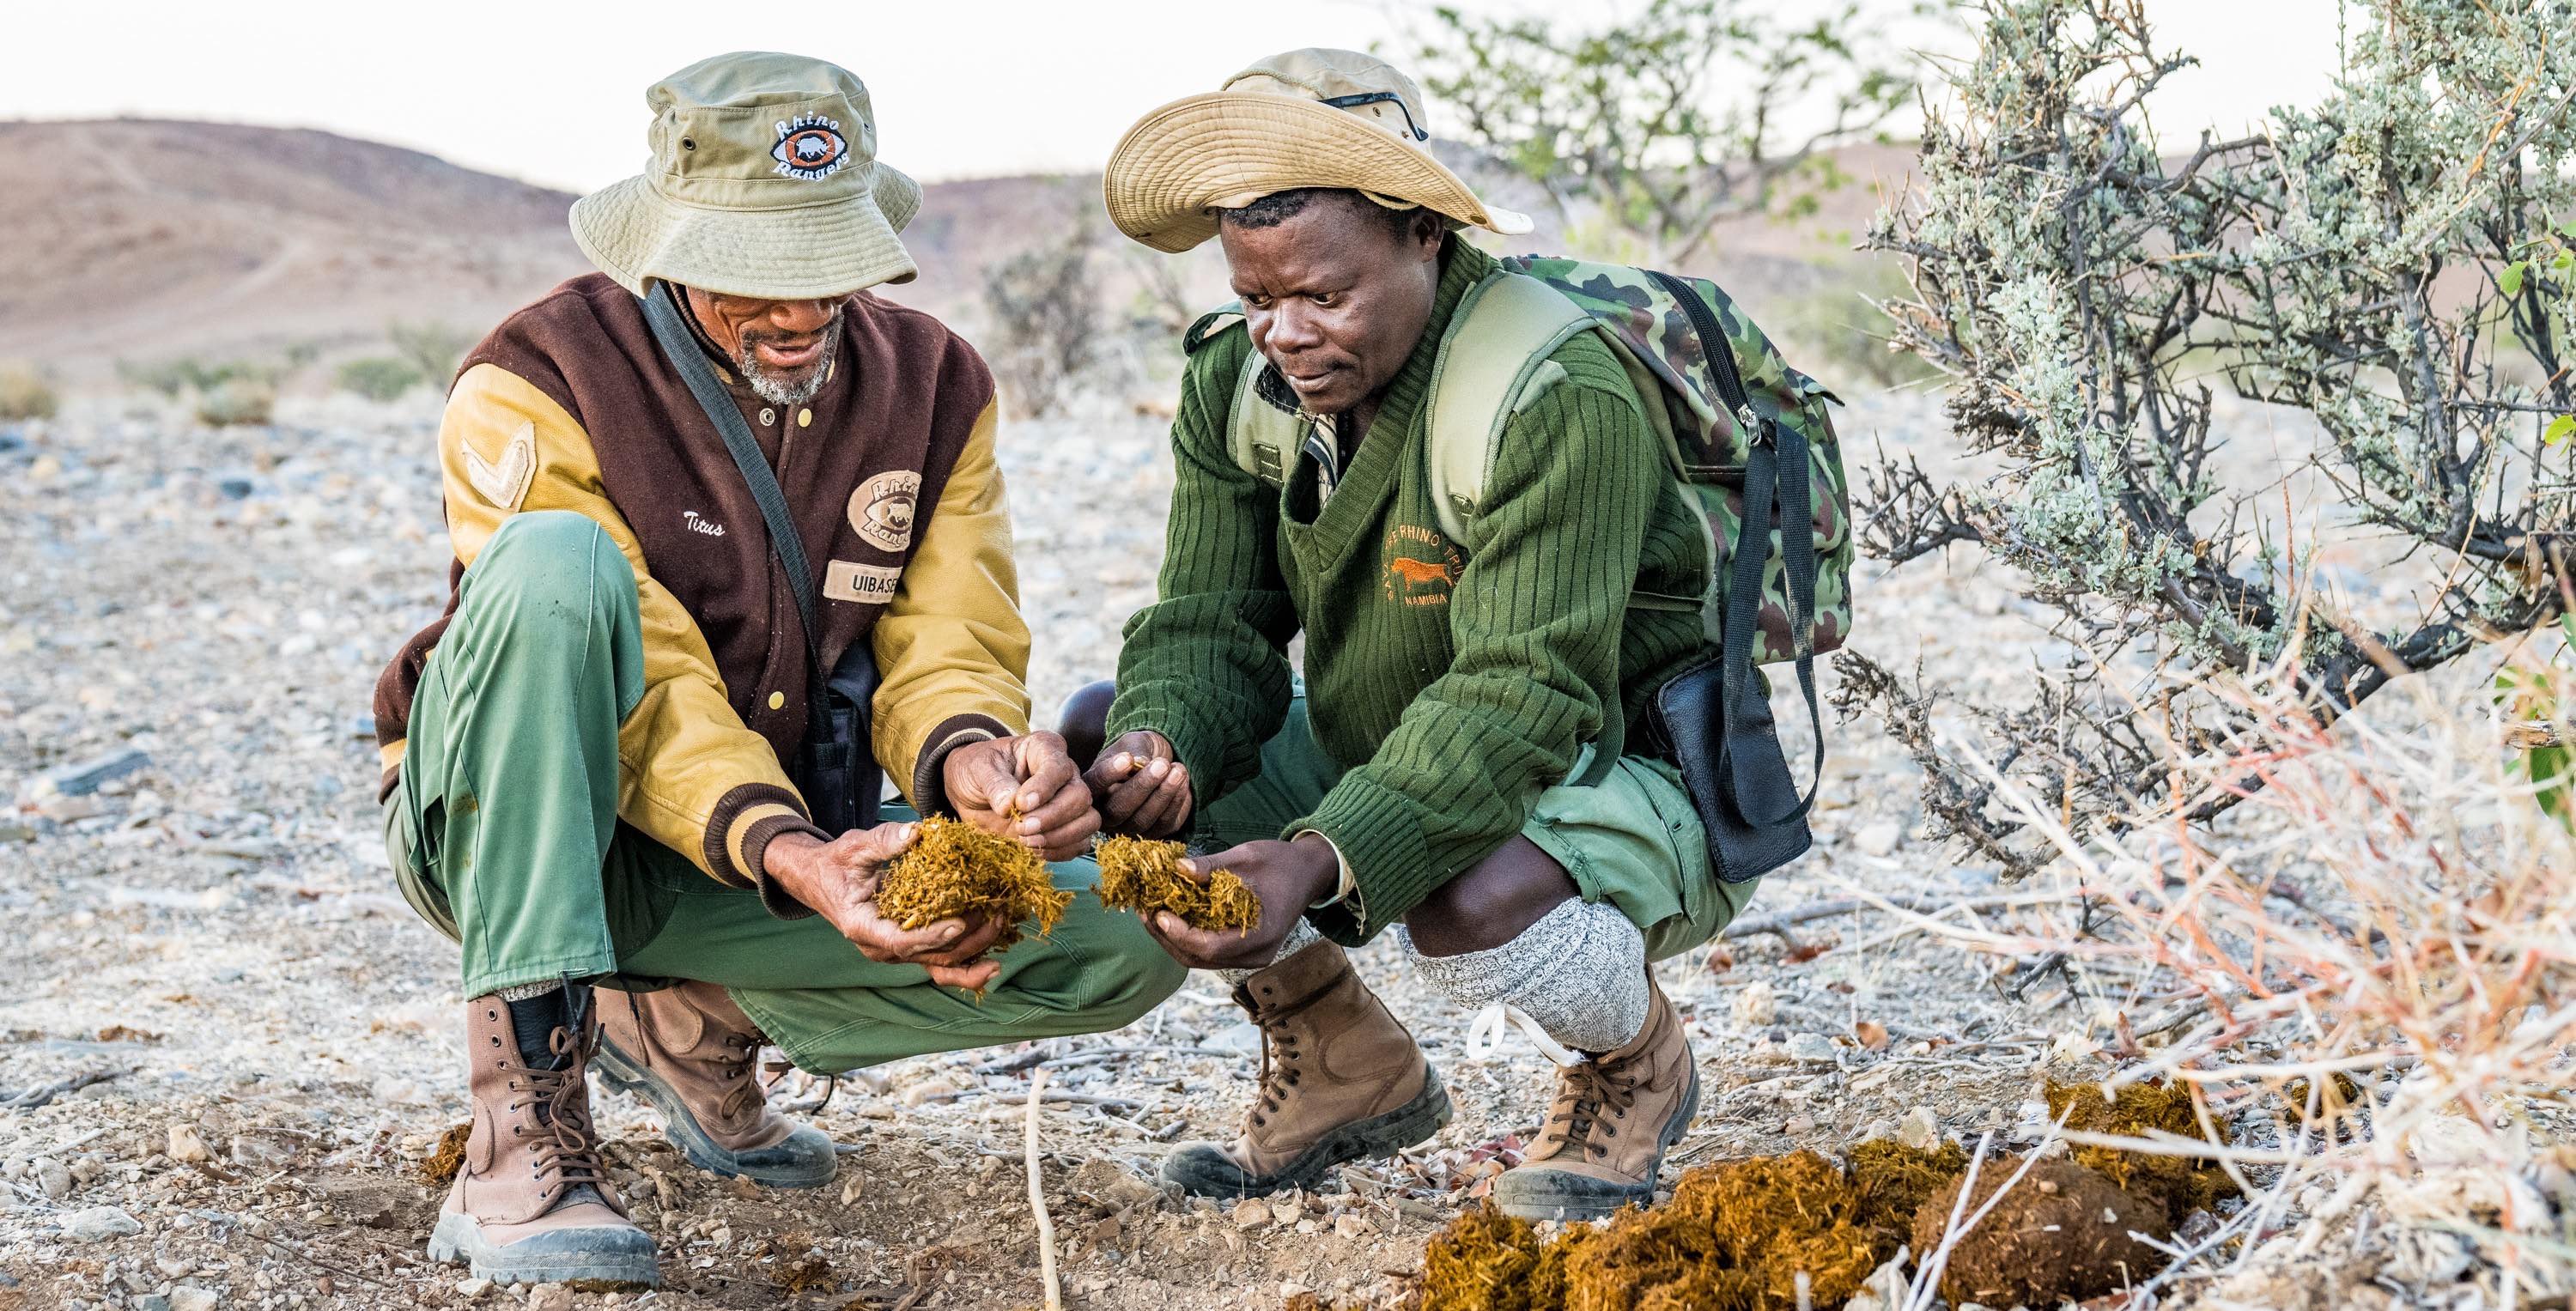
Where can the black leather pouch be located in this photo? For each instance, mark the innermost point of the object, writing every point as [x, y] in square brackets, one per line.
[1738, 777]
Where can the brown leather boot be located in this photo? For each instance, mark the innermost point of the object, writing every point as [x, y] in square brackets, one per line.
[689, 1051]
[1340, 1080]
[531, 1203]
[1613, 1118]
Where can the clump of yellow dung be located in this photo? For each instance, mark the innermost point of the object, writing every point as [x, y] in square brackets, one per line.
[442, 1164]
[959, 871]
[1145, 876]
[1735, 1237]
[1891, 1181]
[1488, 1261]
[2178, 1185]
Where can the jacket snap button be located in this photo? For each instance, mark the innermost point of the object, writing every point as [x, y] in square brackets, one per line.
[804, 418]
[768, 417]
[777, 699]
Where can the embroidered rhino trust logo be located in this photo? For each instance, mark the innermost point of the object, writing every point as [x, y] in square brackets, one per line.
[1421, 566]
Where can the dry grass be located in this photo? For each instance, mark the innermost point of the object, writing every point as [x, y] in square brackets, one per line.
[2369, 969]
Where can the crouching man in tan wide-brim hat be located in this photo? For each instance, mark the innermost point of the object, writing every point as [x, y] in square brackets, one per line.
[590, 757]
[1461, 684]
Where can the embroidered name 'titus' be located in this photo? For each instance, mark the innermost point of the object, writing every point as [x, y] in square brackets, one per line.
[697, 525]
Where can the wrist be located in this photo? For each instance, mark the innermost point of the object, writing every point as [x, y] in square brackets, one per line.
[789, 856]
[1318, 867]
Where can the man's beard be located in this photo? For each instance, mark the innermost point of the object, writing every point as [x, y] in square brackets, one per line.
[794, 388]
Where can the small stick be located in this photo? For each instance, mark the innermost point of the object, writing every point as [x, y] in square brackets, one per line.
[44, 1093]
[1037, 1198]
[1780, 922]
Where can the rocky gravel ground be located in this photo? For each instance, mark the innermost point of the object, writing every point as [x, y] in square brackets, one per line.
[227, 1048]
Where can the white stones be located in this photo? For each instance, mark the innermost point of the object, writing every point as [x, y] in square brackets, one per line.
[187, 1147]
[1756, 1005]
[470, 1289]
[1920, 1129]
[54, 1179]
[1879, 837]
[1811, 1049]
[98, 1224]
[550, 1297]
[193, 1299]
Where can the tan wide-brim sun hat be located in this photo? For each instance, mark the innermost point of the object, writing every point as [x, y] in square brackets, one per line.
[1307, 118]
[764, 182]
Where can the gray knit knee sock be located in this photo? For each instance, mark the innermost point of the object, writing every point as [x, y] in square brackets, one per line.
[1300, 936]
[1579, 973]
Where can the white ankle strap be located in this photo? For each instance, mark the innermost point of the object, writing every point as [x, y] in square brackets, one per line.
[1485, 1035]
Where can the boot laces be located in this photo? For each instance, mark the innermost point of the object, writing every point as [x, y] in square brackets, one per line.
[1594, 1095]
[1278, 1071]
[566, 1157]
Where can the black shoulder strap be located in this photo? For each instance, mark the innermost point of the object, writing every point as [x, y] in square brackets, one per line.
[680, 347]
[1775, 475]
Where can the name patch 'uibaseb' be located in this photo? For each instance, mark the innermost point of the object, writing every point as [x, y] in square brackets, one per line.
[881, 509]
[867, 584]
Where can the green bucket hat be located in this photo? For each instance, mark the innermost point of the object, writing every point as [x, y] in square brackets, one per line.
[764, 182]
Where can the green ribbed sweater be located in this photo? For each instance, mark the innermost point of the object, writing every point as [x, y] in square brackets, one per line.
[1450, 682]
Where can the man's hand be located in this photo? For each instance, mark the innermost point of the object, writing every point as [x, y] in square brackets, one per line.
[838, 881]
[1287, 876]
[1023, 787]
[1140, 786]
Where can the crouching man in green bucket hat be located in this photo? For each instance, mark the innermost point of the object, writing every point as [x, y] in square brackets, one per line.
[588, 757]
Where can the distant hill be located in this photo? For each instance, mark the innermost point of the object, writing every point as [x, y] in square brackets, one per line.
[138, 238]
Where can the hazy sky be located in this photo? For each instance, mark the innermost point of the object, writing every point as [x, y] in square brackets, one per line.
[554, 93]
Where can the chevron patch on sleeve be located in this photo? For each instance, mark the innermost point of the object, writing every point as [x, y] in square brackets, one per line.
[505, 484]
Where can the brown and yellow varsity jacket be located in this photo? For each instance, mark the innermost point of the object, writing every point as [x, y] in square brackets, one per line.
[569, 405]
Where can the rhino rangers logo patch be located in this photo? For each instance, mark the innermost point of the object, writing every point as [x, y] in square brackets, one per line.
[810, 147]
[881, 509]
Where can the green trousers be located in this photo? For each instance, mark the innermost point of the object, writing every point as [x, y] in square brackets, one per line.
[504, 835]
[1632, 839]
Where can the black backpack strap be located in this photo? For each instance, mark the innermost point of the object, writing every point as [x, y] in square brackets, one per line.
[1776, 476]
[680, 347]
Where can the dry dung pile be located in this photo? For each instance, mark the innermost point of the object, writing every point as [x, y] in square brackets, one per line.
[1737, 1234]
[1145, 876]
[2177, 1185]
[441, 1165]
[2061, 1234]
[1735, 1237]
[957, 870]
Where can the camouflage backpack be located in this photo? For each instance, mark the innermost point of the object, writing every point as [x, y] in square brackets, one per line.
[1714, 412]
[1738, 426]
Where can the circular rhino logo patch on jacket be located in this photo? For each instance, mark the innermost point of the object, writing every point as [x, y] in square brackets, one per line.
[881, 509]
[810, 147]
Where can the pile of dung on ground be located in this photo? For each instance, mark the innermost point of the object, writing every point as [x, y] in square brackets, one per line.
[441, 1165]
[1735, 1237]
[957, 870]
[2060, 1235]
[1145, 876]
[2176, 1185]
[1488, 1261]
[1891, 1181]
